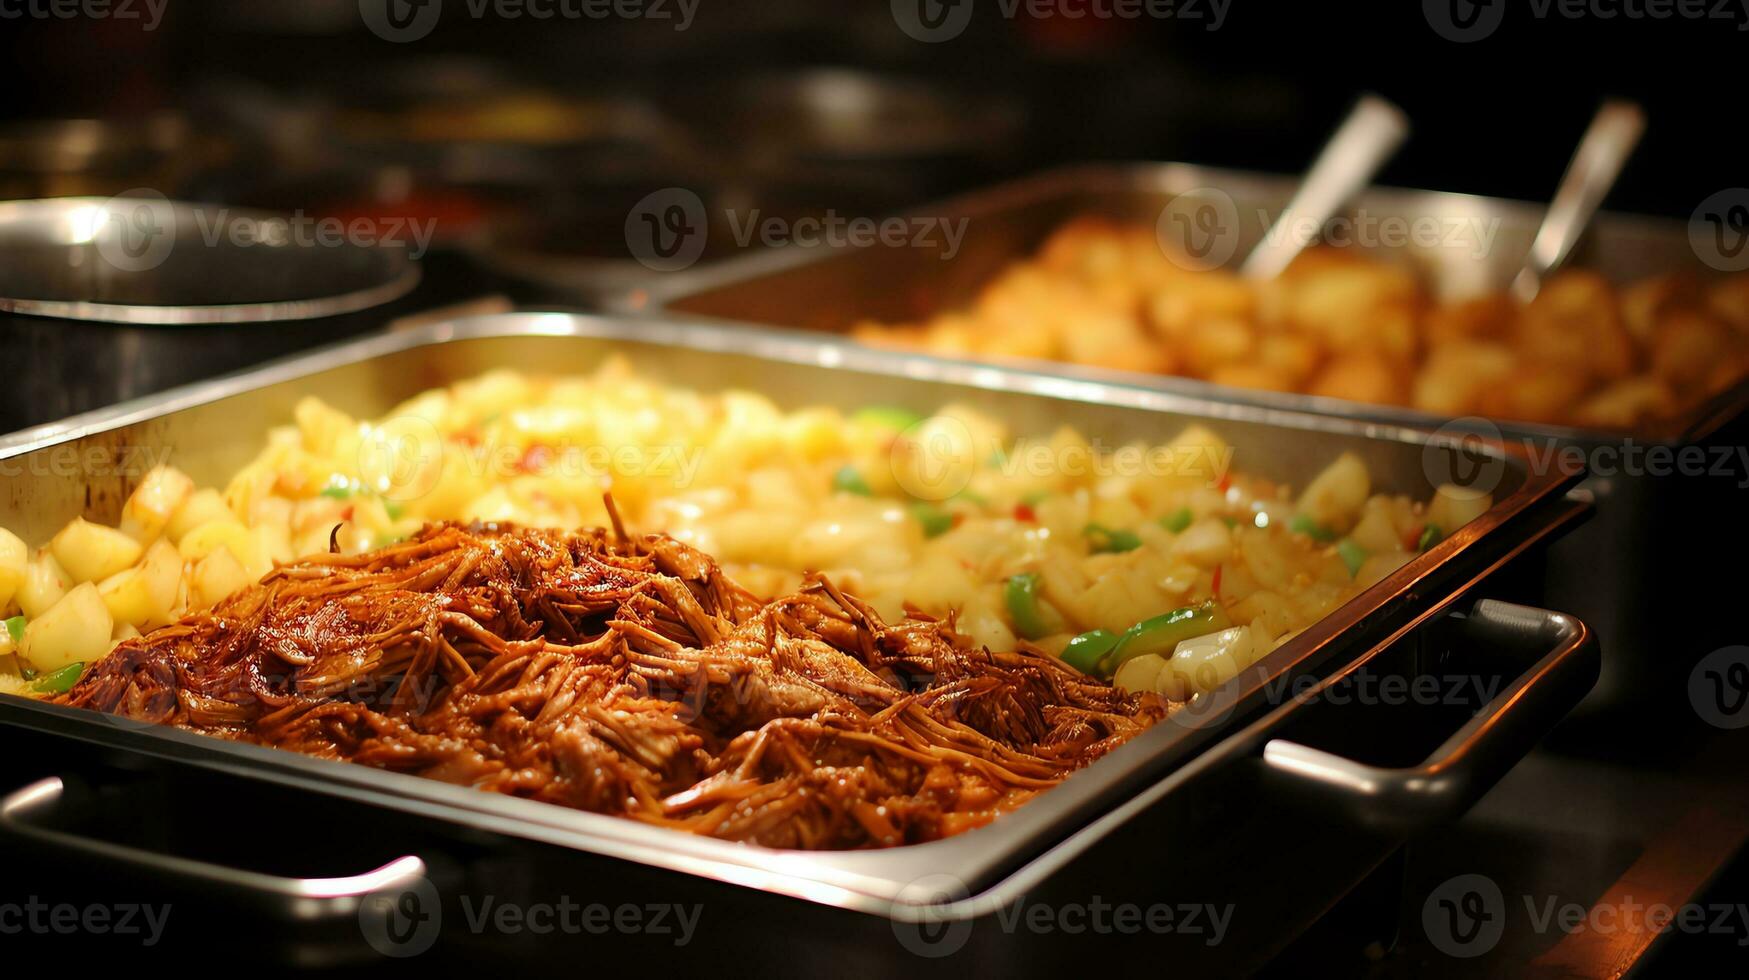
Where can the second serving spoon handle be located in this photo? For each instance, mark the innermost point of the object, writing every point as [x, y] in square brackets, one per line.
[1603, 151]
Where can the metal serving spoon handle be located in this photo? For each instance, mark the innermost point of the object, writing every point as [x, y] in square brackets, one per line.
[1360, 146]
[1605, 148]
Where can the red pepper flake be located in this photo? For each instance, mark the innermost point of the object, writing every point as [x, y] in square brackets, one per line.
[1215, 586]
[535, 458]
[346, 515]
[1225, 483]
[958, 519]
[1024, 512]
[1413, 538]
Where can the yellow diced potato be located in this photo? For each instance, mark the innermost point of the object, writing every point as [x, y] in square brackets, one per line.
[91, 552]
[1376, 531]
[122, 633]
[203, 506]
[1376, 567]
[1139, 674]
[321, 425]
[273, 543]
[45, 582]
[207, 538]
[1199, 454]
[215, 577]
[1453, 506]
[14, 563]
[142, 596]
[149, 508]
[74, 630]
[1207, 543]
[1334, 497]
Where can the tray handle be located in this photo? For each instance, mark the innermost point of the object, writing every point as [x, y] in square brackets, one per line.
[1468, 763]
[301, 899]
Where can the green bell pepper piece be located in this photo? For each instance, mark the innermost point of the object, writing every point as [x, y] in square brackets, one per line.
[1164, 632]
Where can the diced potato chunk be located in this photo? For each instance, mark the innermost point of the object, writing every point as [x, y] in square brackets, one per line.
[14, 563]
[91, 552]
[142, 596]
[1138, 674]
[207, 538]
[1334, 497]
[45, 582]
[215, 577]
[1453, 506]
[1207, 542]
[202, 507]
[149, 509]
[74, 630]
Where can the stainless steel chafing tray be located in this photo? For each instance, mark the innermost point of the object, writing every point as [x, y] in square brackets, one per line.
[830, 289]
[1608, 574]
[1276, 738]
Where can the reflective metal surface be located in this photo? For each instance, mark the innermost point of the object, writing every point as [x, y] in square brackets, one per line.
[155, 261]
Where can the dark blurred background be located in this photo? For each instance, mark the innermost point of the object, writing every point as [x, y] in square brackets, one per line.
[521, 135]
[1495, 116]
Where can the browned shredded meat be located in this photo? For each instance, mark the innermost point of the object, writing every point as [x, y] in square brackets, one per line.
[625, 676]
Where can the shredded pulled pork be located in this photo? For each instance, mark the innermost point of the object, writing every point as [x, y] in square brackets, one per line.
[625, 676]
